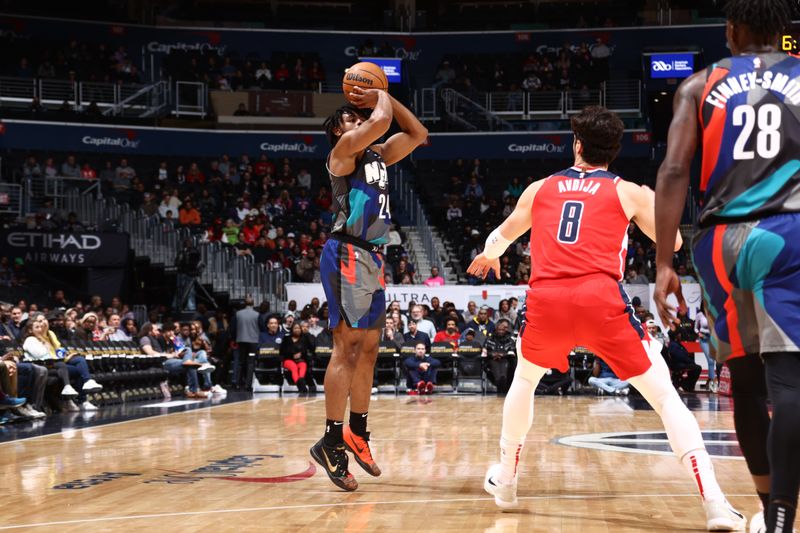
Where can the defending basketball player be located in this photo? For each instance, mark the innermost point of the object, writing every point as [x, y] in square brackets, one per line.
[746, 252]
[352, 267]
[578, 220]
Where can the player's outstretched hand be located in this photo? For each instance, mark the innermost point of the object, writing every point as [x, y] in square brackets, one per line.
[364, 98]
[481, 266]
[667, 283]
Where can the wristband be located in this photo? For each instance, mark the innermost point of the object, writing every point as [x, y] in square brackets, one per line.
[496, 244]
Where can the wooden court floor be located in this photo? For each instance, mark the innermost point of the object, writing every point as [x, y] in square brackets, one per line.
[245, 467]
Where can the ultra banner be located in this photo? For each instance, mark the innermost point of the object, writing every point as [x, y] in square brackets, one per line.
[66, 249]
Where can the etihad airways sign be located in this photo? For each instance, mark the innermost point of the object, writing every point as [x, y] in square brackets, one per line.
[67, 249]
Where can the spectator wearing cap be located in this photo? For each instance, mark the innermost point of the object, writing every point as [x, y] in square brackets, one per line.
[472, 334]
[415, 335]
[435, 280]
[288, 322]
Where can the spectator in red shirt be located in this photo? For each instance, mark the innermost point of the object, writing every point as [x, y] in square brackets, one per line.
[88, 172]
[323, 200]
[194, 175]
[264, 166]
[282, 73]
[249, 234]
[449, 334]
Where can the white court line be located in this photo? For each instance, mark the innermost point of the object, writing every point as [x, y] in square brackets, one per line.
[141, 419]
[347, 504]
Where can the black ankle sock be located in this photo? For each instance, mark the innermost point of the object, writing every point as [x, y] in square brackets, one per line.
[764, 497]
[780, 516]
[358, 423]
[333, 433]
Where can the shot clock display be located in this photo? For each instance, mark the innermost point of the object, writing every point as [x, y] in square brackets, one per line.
[789, 45]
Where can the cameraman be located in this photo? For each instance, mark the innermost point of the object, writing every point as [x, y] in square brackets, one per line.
[189, 266]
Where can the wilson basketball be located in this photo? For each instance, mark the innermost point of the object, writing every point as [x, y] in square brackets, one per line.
[365, 75]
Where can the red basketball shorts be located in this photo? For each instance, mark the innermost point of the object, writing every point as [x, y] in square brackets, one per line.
[591, 311]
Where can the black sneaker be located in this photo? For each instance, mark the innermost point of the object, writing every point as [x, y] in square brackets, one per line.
[334, 462]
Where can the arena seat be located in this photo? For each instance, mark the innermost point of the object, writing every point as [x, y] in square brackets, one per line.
[470, 374]
[387, 371]
[319, 364]
[268, 367]
[446, 377]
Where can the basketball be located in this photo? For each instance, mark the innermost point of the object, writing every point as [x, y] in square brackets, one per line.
[365, 75]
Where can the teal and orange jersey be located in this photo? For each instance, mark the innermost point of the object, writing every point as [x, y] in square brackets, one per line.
[750, 120]
[361, 201]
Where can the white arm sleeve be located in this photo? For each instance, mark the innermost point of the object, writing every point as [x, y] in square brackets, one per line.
[496, 244]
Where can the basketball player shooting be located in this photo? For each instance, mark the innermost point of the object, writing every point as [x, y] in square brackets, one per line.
[352, 267]
[578, 220]
[744, 109]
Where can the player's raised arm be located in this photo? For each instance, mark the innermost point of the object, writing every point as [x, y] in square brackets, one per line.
[357, 139]
[498, 241]
[401, 144]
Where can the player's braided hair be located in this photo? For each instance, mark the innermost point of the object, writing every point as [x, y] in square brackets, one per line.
[766, 18]
[335, 121]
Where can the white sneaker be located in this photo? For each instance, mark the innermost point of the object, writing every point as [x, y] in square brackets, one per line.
[27, 410]
[69, 406]
[216, 389]
[92, 386]
[721, 516]
[714, 387]
[88, 406]
[374, 390]
[69, 391]
[505, 496]
[757, 524]
[206, 368]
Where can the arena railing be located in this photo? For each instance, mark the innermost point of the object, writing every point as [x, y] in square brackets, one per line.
[406, 198]
[225, 270]
[484, 111]
[111, 98]
[191, 99]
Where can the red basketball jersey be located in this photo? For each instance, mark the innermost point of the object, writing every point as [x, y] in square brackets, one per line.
[578, 226]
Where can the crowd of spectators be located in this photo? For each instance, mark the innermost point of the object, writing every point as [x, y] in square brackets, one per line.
[572, 67]
[474, 203]
[38, 342]
[273, 210]
[72, 60]
[233, 73]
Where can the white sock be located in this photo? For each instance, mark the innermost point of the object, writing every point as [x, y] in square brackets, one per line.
[698, 464]
[681, 426]
[517, 415]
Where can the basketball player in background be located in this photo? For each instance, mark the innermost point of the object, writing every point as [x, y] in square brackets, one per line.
[579, 222]
[352, 267]
[744, 110]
